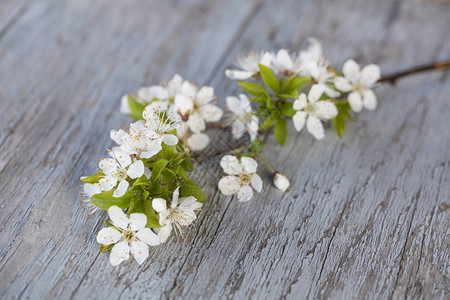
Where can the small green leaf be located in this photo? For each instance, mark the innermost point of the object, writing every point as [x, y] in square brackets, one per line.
[297, 83]
[257, 145]
[187, 164]
[157, 169]
[281, 131]
[105, 200]
[141, 181]
[167, 176]
[269, 78]
[252, 88]
[136, 108]
[104, 248]
[267, 123]
[190, 188]
[341, 118]
[155, 190]
[93, 178]
[167, 152]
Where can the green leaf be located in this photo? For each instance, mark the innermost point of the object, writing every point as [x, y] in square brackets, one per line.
[105, 200]
[93, 178]
[341, 118]
[187, 163]
[287, 109]
[257, 145]
[141, 181]
[281, 131]
[155, 190]
[167, 152]
[190, 188]
[269, 78]
[252, 88]
[267, 122]
[152, 219]
[296, 84]
[104, 248]
[182, 173]
[157, 169]
[108, 223]
[167, 176]
[136, 108]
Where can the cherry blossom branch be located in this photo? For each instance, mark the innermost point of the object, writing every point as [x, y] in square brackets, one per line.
[392, 78]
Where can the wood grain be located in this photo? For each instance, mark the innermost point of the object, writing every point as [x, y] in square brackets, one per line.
[367, 216]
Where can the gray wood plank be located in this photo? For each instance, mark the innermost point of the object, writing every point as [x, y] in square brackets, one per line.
[367, 217]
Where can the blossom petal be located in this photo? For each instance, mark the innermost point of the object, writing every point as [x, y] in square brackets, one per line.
[121, 156]
[326, 109]
[116, 136]
[315, 127]
[118, 217]
[234, 105]
[342, 84]
[211, 113]
[257, 182]
[370, 75]
[124, 105]
[137, 221]
[369, 99]
[107, 183]
[175, 195]
[187, 202]
[136, 169]
[299, 120]
[119, 253]
[189, 90]
[249, 165]
[164, 232]
[196, 123]
[183, 104]
[229, 185]
[108, 236]
[253, 127]
[283, 61]
[230, 165]
[315, 92]
[140, 251]
[152, 149]
[354, 99]
[121, 188]
[108, 166]
[205, 95]
[330, 92]
[245, 193]
[237, 129]
[159, 204]
[91, 189]
[351, 70]
[170, 139]
[198, 141]
[238, 75]
[147, 173]
[147, 236]
[301, 102]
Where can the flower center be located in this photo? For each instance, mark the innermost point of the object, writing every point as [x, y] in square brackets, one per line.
[244, 179]
[128, 235]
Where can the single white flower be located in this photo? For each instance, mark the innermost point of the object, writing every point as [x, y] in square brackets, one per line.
[159, 122]
[359, 83]
[119, 168]
[241, 179]
[195, 106]
[250, 65]
[89, 190]
[243, 118]
[180, 213]
[137, 141]
[312, 111]
[280, 181]
[285, 63]
[128, 234]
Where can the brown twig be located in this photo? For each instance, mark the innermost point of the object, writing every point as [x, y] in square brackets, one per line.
[392, 78]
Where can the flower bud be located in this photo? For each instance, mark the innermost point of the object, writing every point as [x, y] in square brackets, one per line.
[281, 181]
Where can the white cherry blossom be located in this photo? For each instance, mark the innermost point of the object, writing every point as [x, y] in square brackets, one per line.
[118, 169]
[243, 118]
[89, 190]
[249, 65]
[127, 235]
[159, 122]
[241, 179]
[180, 213]
[359, 82]
[137, 141]
[311, 111]
[285, 63]
[195, 107]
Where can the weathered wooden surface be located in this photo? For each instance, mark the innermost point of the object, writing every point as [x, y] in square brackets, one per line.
[367, 216]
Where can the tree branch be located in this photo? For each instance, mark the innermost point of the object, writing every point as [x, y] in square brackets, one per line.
[392, 78]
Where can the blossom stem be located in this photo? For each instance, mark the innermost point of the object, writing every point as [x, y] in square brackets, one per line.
[392, 78]
[265, 162]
